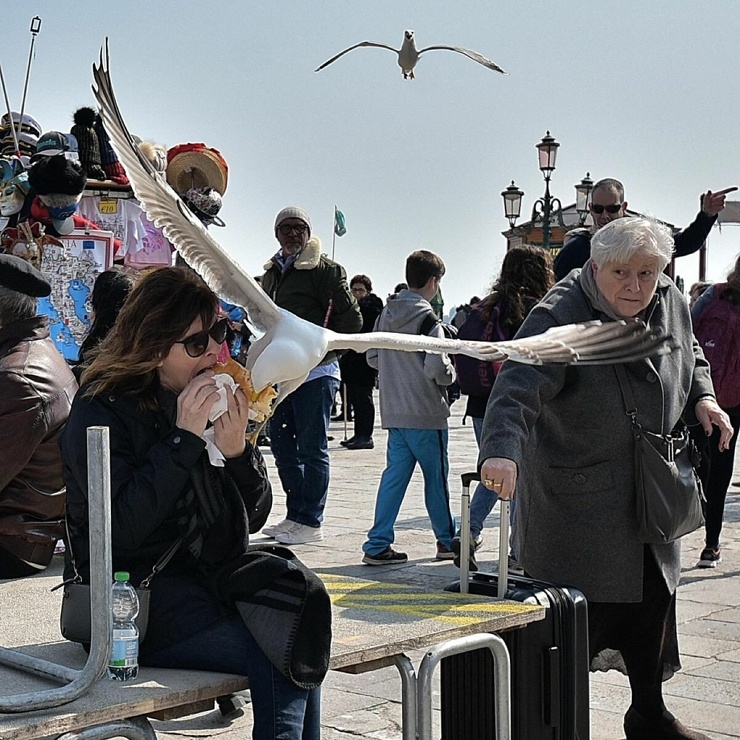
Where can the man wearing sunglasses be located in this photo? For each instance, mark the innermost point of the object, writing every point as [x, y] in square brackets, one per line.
[300, 279]
[608, 203]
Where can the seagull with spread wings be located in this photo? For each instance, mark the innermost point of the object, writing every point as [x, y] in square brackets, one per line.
[290, 346]
[408, 55]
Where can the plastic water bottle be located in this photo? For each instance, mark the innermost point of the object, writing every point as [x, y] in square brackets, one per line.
[124, 659]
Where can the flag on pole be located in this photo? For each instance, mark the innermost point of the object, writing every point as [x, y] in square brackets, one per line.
[340, 228]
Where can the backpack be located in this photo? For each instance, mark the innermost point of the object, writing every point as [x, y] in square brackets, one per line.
[476, 377]
[718, 331]
[452, 391]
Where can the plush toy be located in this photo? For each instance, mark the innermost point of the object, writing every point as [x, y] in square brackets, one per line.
[87, 143]
[58, 183]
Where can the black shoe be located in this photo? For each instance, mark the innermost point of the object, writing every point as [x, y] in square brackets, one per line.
[360, 443]
[709, 558]
[385, 557]
[662, 727]
[263, 441]
[345, 442]
[472, 563]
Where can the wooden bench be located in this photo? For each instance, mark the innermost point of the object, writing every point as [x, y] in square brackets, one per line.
[374, 626]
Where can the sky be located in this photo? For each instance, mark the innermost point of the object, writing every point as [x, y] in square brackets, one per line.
[642, 91]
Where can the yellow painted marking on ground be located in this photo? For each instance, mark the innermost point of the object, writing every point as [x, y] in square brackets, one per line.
[394, 598]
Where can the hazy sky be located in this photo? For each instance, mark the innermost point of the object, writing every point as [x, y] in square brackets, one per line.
[645, 91]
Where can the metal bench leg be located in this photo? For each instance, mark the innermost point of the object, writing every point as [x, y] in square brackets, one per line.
[136, 728]
[408, 697]
[501, 680]
[78, 682]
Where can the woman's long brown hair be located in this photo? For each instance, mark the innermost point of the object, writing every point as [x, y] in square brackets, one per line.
[158, 313]
[526, 272]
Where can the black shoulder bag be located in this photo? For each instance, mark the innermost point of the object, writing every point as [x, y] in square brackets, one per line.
[74, 620]
[668, 491]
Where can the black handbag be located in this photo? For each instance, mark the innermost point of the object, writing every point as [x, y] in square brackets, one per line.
[668, 491]
[75, 617]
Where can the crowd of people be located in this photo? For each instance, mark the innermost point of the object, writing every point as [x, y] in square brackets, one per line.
[555, 439]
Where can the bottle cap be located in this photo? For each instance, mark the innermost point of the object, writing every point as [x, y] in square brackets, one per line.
[120, 576]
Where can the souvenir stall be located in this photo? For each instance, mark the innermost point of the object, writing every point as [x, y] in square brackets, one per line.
[66, 206]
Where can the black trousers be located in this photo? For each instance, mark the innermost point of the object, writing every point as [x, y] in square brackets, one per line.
[361, 400]
[716, 476]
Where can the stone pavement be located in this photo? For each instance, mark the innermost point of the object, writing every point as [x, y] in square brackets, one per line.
[704, 695]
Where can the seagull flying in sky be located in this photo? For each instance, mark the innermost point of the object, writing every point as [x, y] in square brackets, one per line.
[291, 347]
[408, 55]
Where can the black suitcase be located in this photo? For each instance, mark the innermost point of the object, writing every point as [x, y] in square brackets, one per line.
[549, 659]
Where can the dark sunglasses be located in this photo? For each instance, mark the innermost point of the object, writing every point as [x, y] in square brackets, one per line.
[197, 344]
[285, 229]
[599, 209]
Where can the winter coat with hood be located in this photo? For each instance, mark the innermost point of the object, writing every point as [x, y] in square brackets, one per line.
[314, 288]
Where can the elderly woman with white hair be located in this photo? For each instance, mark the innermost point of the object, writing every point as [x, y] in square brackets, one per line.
[560, 436]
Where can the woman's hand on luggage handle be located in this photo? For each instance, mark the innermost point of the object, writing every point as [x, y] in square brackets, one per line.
[498, 474]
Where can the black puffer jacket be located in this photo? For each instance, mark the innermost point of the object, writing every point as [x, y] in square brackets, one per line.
[151, 460]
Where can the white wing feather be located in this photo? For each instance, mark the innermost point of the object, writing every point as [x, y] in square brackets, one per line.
[590, 343]
[350, 48]
[474, 55]
[168, 212]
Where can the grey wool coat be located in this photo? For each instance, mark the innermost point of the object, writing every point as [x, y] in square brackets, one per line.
[566, 429]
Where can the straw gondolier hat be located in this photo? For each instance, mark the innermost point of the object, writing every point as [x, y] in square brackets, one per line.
[196, 166]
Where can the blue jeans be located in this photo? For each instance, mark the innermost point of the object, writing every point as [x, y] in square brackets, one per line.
[406, 447]
[483, 499]
[298, 438]
[282, 711]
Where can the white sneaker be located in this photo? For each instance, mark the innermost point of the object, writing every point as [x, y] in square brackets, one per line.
[300, 534]
[274, 529]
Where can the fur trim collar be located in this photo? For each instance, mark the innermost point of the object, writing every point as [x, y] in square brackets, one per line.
[308, 259]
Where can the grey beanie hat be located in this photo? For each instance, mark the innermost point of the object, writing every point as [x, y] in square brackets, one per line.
[293, 212]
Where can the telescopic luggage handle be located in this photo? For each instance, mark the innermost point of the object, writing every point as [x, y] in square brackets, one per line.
[503, 538]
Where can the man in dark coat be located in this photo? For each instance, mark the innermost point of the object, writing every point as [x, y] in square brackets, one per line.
[608, 203]
[302, 280]
[36, 392]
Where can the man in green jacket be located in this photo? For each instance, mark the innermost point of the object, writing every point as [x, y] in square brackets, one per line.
[302, 280]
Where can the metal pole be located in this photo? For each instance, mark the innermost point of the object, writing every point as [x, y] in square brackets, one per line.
[98, 471]
[546, 201]
[408, 697]
[344, 408]
[35, 28]
[333, 232]
[10, 112]
[501, 681]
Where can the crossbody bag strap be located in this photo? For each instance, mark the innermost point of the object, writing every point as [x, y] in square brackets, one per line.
[161, 562]
[628, 398]
[77, 578]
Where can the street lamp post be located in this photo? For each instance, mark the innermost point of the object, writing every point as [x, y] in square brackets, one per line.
[546, 207]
